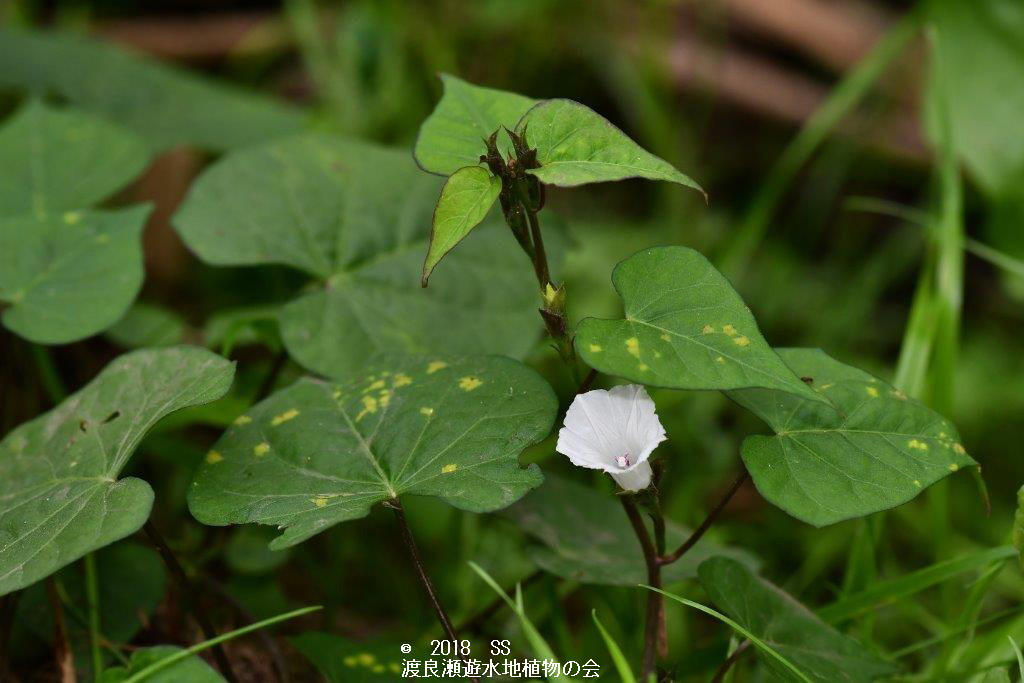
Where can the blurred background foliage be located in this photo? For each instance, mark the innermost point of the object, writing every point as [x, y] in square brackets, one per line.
[864, 161]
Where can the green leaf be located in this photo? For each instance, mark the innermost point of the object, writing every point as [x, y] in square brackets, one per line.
[874, 450]
[192, 668]
[56, 160]
[685, 328]
[576, 145]
[453, 135]
[318, 453]
[147, 324]
[340, 660]
[59, 493]
[465, 199]
[783, 666]
[356, 217]
[66, 277]
[585, 536]
[982, 37]
[789, 628]
[167, 106]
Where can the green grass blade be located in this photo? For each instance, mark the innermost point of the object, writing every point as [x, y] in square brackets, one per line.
[915, 216]
[621, 665]
[1020, 656]
[949, 635]
[538, 644]
[178, 656]
[839, 102]
[900, 587]
[758, 643]
[949, 234]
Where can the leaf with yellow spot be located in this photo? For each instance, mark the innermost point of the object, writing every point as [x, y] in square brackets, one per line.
[470, 383]
[289, 414]
[675, 302]
[872, 451]
[454, 431]
[59, 473]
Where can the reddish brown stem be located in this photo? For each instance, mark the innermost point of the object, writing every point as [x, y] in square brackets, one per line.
[708, 521]
[61, 646]
[653, 613]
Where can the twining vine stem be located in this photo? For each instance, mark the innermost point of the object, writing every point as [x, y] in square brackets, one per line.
[708, 521]
[414, 554]
[651, 559]
[188, 593]
[655, 641]
[61, 646]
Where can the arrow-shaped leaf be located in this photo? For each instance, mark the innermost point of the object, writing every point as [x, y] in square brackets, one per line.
[874, 450]
[465, 199]
[60, 497]
[685, 328]
[318, 453]
[576, 145]
[453, 135]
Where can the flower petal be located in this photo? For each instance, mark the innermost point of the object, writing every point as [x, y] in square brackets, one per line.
[634, 479]
[614, 431]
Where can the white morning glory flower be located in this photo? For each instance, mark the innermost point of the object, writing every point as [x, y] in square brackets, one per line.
[614, 431]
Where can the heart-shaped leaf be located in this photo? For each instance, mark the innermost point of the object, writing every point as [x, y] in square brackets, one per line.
[875, 449]
[576, 145]
[453, 135]
[821, 652]
[685, 328]
[57, 160]
[65, 277]
[357, 218]
[167, 106]
[318, 453]
[465, 199]
[60, 497]
[586, 537]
